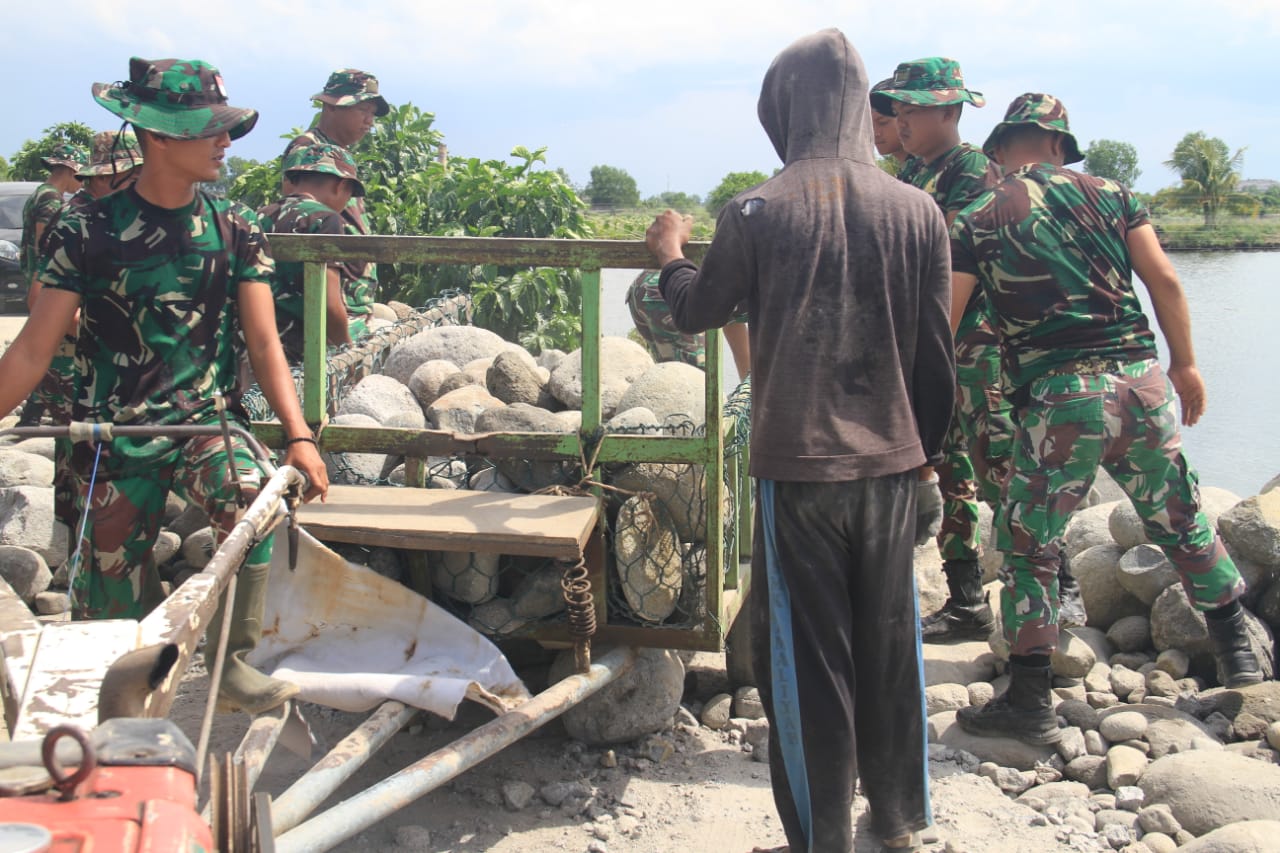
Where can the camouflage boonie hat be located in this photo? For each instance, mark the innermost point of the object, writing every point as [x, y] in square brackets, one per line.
[179, 98]
[350, 86]
[65, 154]
[113, 153]
[932, 82]
[880, 102]
[1044, 111]
[325, 159]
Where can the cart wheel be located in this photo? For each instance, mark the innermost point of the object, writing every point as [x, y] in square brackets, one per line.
[737, 648]
[232, 821]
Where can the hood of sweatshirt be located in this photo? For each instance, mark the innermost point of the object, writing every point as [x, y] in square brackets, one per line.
[814, 102]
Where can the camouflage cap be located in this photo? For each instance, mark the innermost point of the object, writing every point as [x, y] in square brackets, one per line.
[350, 86]
[880, 102]
[112, 154]
[1040, 110]
[326, 159]
[935, 81]
[179, 98]
[65, 154]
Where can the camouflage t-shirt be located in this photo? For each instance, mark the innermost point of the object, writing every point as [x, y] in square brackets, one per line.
[907, 171]
[360, 279]
[295, 214]
[1048, 246]
[41, 209]
[955, 180]
[158, 317]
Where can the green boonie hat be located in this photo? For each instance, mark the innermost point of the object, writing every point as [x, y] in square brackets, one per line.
[112, 154]
[65, 154]
[880, 102]
[932, 82]
[179, 98]
[350, 86]
[325, 159]
[1041, 110]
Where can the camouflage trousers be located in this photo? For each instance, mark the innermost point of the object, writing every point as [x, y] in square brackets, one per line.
[56, 394]
[1127, 423]
[114, 568]
[653, 321]
[975, 464]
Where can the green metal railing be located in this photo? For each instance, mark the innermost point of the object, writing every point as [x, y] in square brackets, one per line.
[726, 586]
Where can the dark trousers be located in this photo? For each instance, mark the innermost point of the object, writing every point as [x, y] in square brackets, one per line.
[837, 656]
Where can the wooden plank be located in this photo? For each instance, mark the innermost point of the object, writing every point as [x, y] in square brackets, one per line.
[19, 637]
[67, 672]
[445, 520]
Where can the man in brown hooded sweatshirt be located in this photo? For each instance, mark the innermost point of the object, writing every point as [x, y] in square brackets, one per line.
[844, 272]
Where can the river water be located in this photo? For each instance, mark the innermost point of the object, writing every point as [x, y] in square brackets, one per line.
[1235, 302]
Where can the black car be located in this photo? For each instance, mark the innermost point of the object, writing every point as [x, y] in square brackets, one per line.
[13, 290]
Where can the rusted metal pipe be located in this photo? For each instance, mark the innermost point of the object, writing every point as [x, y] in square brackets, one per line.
[314, 787]
[350, 817]
[256, 746]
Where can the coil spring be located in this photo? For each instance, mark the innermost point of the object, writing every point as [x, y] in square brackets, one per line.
[580, 603]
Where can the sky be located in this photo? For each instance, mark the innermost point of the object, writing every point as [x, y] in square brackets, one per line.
[665, 90]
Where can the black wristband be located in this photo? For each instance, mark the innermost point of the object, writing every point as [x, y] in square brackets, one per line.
[305, 438]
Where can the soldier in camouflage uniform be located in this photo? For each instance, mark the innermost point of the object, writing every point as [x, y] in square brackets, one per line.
[349, 103]
[323, 180]
[38, 215]
[161, 273]
[1054, 251]
[884, 128]
[652, 316]
[928, 96]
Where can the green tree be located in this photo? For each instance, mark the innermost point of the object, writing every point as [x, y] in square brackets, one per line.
[732, 184]
[1110, 158]
[890, 165]
[682, 202]
[4, 169]
[611, 187]
[26, 165]
[408, 191]
[233, 168]
[1209, 172]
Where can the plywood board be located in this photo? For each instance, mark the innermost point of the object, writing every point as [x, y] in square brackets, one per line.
[448, 520]
[67, 672]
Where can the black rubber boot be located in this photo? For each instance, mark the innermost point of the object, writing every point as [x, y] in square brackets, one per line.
[966, 615]
[1024, 711]
[1238, 664]
[1071, 612]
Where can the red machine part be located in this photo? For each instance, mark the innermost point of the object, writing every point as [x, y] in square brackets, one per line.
[113, 808]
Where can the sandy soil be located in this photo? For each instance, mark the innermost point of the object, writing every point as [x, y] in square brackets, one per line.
[708, 794]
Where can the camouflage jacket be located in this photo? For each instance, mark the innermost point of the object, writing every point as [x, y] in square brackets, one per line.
[295, 214]
[41, 209]
[360, 278]
[159, 316]
[1048, 246]
[955, 180]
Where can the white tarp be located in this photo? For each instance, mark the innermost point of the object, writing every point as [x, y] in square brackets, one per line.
[352, 639]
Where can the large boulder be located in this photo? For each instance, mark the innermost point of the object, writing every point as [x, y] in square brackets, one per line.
[24, 469]
[680, 489]
[348, 469]
[669, 389]
[649, 560]
[427, 380]
[1146, 572]
[1176, 624]
[1253, 527]
[458, 344]
[639, 702]
[527, 474]
[1215, 501]
[469, 578]
[1097, 569]
[386, 400]
[1207, 790]
[1126, 526]
[1089, 527]
[25, 571]
[458, 410]
[26, 520]
[958, 663]
[514, 379]
[1250, 836]
[1005, 751]
[622, 362]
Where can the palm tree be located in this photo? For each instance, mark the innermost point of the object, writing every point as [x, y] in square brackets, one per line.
[1209, 173]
